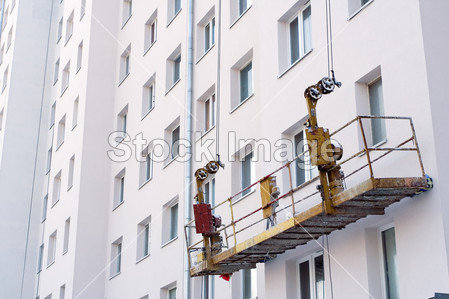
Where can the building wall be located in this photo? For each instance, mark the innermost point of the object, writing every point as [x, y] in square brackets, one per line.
[26, 26]
[401, 49]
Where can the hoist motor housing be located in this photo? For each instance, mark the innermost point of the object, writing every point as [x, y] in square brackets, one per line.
[205, 222]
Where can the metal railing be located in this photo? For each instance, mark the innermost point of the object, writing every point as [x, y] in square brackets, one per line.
[232, 229]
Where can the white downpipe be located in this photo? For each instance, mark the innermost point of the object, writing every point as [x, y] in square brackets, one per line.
[1, 19]
[188, 136]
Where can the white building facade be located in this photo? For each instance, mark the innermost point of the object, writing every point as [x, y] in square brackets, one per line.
[96, 123]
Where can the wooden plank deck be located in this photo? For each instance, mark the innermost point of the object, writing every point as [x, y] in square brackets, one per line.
[371, 197]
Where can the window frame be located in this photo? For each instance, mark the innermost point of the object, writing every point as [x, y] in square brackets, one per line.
[309, 171]
[381, 106]
[116, 258]
[51, 253]
[148, 96]
[302, 51]
[173, 141]
[127, 11]
[250, 83]
[61, 132]
[209, 34]
[210, 113]
[57, 185]
[382, 259]
[65, 246]
[119, 189]
[253, 276]
[252, 173]
[174, 219]
[143, 239]
[150, 32]
[312, 274]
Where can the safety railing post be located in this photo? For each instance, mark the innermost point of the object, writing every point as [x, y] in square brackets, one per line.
[232, 221]
[417, 148]
[366, 146]
[291, 189]
[187, 247]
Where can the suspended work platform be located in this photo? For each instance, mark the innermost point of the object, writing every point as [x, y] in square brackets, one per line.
[304, 214]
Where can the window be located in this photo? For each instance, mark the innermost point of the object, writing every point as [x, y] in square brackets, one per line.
[62, 292]
[242, 80]
[69, 27]
[209, 113]
[177, 69]
[119, 188]
[116, 257]
[247, 173]
[294, 34]
[61, 132]
[143, 238]
[150, 32]
[300, 34]
[175, 143]
[122, 123]
[48, 297]
[65, 78]
[148, 95]
[172, 293]
[209, 192]
[44, 208]
[79, 60]
[71, 170]
[52, 114]
[390, 271]
[5, 78]
[83, 8]
[246, 82]
[9, 41]
[243, 6]
[40, 258]
[56, 74]
[61, 21]
[174, 221]
[125, 64]
[311, 277]
[304, 170]
[146, 167]
[249, 283]
[49, 155]
[127, 10]
[172, 141]
[174, 7]
[173, 68]
[56, 188]
[75, 112]
[209, 35]
[354, 6]
[65, 247]
[238, 8]
[376, 105]
[170, 221]
[51, 248]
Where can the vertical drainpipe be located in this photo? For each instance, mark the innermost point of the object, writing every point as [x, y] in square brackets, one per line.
[1, 19]
[188, 136]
